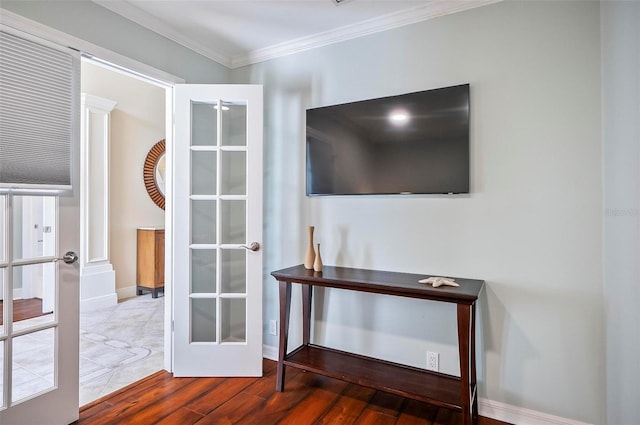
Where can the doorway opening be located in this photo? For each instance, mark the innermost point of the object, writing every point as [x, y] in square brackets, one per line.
[122, 335]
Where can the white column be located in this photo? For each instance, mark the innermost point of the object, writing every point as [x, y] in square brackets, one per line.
[97, 277]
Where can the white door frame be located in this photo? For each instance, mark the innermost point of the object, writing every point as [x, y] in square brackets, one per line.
[168, 242]
[133, 68]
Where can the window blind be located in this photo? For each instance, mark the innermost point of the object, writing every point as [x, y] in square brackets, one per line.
[38, 112]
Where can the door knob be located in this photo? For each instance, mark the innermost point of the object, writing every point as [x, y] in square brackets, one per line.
[69, 258]
[255, 246]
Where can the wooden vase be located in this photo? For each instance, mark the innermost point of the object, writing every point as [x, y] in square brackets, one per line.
[310, 255]
[317, 264]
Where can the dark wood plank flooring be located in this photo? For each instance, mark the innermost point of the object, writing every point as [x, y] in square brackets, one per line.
[308, 399]
[24, 309]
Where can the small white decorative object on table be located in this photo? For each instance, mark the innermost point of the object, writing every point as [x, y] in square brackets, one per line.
[439, 281]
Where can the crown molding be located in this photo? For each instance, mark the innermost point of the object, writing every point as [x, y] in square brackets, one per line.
[142, 18]
[90, 100]
[431, 10]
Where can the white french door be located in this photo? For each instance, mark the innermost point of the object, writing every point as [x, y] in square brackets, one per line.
[39, 355]
[39, 164]
[217, 230]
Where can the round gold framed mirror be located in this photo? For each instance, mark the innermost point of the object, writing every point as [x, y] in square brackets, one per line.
[153, 173]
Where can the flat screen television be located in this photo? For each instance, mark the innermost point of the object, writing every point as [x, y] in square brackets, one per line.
[414, 143]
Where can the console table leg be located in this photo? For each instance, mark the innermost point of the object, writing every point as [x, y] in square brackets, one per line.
[306, 314]
[285, 307]
[472, 353]
[464, 327]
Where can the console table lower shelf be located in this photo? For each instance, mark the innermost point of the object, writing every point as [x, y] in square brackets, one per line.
[430, 387]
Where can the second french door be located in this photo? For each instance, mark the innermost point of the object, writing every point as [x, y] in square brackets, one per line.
[217, 230]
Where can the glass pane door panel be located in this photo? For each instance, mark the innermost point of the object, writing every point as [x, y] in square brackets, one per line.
[233, 177]
[204, 124]
[203, 222]
[234, 319]
[203, 172]
[234, 219]
[234, 124]
[33, 295]
[3, 233]
[203, 271]
[33, 364]
[234, 270]
[32, 227]
[3, 319]
[203, 320]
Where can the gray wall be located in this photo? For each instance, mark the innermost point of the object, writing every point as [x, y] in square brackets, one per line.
[621, 163]
[95, 24]
[531, 226]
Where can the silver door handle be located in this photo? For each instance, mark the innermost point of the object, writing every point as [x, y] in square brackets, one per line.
[69, 258]
[255, 246]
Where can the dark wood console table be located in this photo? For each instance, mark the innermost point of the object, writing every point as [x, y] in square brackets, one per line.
[452, 392]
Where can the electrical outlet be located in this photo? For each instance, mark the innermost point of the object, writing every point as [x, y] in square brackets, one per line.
[432, 361]
[273, 327]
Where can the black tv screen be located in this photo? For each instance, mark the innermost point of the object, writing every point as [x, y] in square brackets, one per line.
[414, 143]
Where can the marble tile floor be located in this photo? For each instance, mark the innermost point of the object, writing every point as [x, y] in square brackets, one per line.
[118, 346]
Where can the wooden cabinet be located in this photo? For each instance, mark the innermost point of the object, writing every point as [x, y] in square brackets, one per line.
[150, 260]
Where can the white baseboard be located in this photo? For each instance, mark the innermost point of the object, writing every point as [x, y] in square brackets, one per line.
[126, 292]
[98, 302]
[270, 352]
[519, 415]
[17, 293]
[487, 408]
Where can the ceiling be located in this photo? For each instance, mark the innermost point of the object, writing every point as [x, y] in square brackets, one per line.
[240, 32]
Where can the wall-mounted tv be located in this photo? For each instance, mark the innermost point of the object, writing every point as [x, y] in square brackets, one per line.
[414, 143]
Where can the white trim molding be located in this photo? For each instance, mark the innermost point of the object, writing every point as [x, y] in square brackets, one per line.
[270, 352]
[94, 185]
[429, 10]
[127, 292]
[520, 415]
[97, 277]
[158, 26]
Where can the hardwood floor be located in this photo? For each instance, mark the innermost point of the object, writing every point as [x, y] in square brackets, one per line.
[308, 399]
[24, 309]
